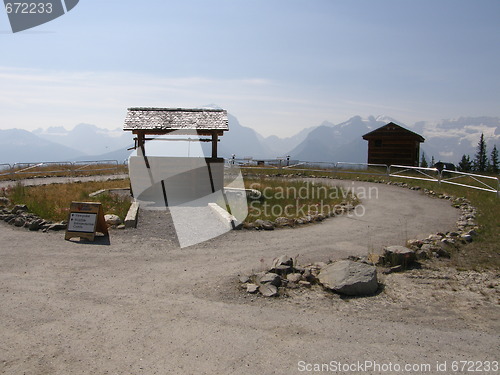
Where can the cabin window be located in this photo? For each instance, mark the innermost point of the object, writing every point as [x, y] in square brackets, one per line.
[378, 143]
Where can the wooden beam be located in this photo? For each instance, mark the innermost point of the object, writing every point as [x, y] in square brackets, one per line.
[215, 140]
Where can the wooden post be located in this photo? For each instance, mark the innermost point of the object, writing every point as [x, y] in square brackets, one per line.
[215, 139]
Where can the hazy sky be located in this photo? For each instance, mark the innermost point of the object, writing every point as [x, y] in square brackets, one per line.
[277, 65]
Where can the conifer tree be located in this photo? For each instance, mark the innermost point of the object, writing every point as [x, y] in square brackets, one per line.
[481, 158]
[465, 164]
[423, 162]
[494, 162]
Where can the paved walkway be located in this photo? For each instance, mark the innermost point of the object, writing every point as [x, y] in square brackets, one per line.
[142, 305]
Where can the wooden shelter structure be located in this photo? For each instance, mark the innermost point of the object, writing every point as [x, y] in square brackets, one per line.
[144, 122]
[393, 144]
[175, 180]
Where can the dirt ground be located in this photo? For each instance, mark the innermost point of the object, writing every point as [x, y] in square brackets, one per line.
[139, 304]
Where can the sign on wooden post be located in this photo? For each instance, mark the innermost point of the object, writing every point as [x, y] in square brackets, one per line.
[84, 220]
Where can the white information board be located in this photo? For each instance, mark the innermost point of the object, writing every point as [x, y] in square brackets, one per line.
[79, 222]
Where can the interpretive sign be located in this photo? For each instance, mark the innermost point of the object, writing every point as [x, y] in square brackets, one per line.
[84, 220]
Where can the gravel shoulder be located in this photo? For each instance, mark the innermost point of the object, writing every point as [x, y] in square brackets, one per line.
[143, 305]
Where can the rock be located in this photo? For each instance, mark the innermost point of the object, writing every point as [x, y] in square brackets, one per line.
[4, 201]
[268, 290]
[422, 254]
[8, 218]
[244, 279]
[35, 225]
[19, 208]
[414, 243]
[294, 277]
[435, 237]
[264, 224]
[270, 278]
[472, 232]
[467, 237]
[252, 288]
[283, 260]
[396, 255]
[57, 226]
[350, 278]
[282, 270]
[19, 221]
[448, 241]
[304, 283]
[283, 221]
[443, 253]
[112, 219]
[308, 275]
[393, 269]
[121, 226]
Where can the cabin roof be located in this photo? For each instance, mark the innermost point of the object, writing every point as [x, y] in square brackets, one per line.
[391, 127]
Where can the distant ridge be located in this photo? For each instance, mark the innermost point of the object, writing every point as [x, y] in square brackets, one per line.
[446, 140]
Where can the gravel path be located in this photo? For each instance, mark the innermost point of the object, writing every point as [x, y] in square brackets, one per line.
[142, 305]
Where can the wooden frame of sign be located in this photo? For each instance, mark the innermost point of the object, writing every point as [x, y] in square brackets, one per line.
[84, 220]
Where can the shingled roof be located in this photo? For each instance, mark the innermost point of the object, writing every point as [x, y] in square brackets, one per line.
[168, 119]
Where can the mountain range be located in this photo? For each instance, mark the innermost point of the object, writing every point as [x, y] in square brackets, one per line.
[446, 140]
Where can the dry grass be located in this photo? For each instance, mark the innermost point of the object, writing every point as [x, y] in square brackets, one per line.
[52, 202]
[292, 198]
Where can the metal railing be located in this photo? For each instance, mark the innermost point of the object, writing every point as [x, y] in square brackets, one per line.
[476, 181]
[5, 169]
[414, 173]
[468, 180]
[67, 169]
[59, 169]
[95, 166]
[20, 170]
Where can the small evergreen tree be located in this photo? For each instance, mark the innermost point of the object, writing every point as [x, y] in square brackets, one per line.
[465, 164]
[481, 158]
[423, 162]
[432, 162]
[494, 161]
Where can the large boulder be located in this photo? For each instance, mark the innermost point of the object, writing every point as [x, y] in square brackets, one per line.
[349, 278]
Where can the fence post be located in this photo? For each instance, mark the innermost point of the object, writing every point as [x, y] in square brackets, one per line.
[440, 176]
